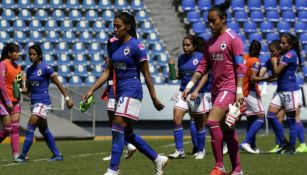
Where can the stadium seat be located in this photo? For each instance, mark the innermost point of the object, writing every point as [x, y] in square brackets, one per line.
[24, 4]
[52, 36]
[204, 5]
[79, 59]
[237, 5]
[242, 36]
[49, 60]
[199, 27]
[288, 16]
[96, 58]
[97, 70]
[108, 15]
[64, 70]
[20, 37]
[94, 48]
[272, 16]
[152, 69]
[105, 4]
[41, 15]
[98, 26]
[63, 59]
[8, 4]
[102, 37]
[51, 25]
[205, 36]
[301, 5]
[153, 38]
[5, 37]
[8, 14]
[69, 37]
[254, 5]
[205, 16]
[266, 27]
[157, 49]
[25, 15]
[250, 27]
[75, 81]
[89, 4]
[62, 80]
[300, 27]
[67, 25]
[40, 4]
[78, 48]
[110, 28]
[80, 70]
[85, 37]
[272, 36]
[5, 25]
[75, 15]
[187, 5]
[234, 26]
[303, 38]
[285, 4]
[302, 15]
[121, 5]
[73, 4]
[283, 27]
[193, 16]
[36, 36]
[264, 58]
[89, 80]
[217, 2]
[47, 48]
[142, 16]
[146, 27]
[157, 79]
[56, 4]
[162, 59]
[62, 48]
[91, 15]
[58, 15]
[270, 5]
[264, 48]
[255, 36]
[256, 16]
[241, 16]
[82, 26]
[137, 5]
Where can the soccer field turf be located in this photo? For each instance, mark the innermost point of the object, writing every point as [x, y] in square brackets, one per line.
[85, 158]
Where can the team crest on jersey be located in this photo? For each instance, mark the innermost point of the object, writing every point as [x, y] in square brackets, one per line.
[195, 61]
[127, 51]
[223, 45]
[39, 72]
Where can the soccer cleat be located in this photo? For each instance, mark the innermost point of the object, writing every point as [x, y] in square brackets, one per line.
[275, 149]
[194, 151]
[177, 154]
[21, 159]
[107, 158]
[225, 148]
[200, 155]
[56, 158]
[218, 171]
[246, 147]
[160, 164]
[111, 172]
[85, 105]
[257, 150]
[289, 150]
[236, 173]
[129, 151]
[282, 147]
[302, 148]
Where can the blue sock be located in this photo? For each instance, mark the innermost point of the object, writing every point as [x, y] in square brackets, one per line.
[293, 131]
[250, 121]
[28, 140]
[140, 144]
[201, 135]
[118, 143]
[178, 135]
[300, 132]
[255, 127]
[276, 125]
[50, 141]
[194, 133]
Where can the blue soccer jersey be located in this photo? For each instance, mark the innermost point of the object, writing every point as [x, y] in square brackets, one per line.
[287, 79]
[39, 77]
[186, 67]
[125, 58]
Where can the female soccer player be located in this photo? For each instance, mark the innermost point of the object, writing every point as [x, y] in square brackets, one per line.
[200, 99]
[128, 58]
[10, 73]
[223, 55]
[39, 75]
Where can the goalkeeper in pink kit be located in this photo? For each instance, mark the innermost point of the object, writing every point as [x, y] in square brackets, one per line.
[223, 54]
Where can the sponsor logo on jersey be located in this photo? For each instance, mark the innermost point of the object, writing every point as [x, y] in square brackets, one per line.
[217, 57]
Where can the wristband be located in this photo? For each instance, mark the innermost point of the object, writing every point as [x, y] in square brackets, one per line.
[67, 98]
[239, 90]
[20, 89]
[190, 85]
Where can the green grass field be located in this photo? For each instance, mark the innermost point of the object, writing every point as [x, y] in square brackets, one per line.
[85, 158]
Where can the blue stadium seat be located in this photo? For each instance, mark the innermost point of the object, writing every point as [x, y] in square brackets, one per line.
[250, 27]
[80, 70]
[62, 48]
[199, 27]
[241, 16]
[56, 4]
[41, 15]
[63, 59]
[105, 4]
[67, 25]
[153, 38]
[110, 28]
[146, 27]
[8, 14]
[47, 48]
[204, 5]
[62, 80]
[36, 36]
[89, 80]
[234, 26]
[79, 59]
[238, 5]
[85, 37]
[270, 5]
[121, 5]
[205, 16]
[157, 79]
[40, 4]
[264, 57]
[20, 37]
[24, 4]
[75, 15]
[52, 36]
[102, 37]
[25, 15]
[300, 27]
[254, 5]
[218, 2]
[205, 36]
[242, 36]
[266, 27]
[142, 16]
[264, 48]
[73, 4]
[301, 5]
[187, 5]
[152, 69]
[96, 58]
[82, 26]
[8, 4]
[272, 16]
[58, 15]
[288, 16]
[283, 27]
[94, 48]
[91, 15]
[69, 37]
[162, 59]
[255, 36]
[78, 48]
[272, 36]
[256, 16]
[157, 49]
[108, 15]
[51, 25]
[193, 16]
[137, 5]
[4, 25]
[5, 37]
[285, 4]
[89, 4]
[302, 15]
[305, 71]
[303, 38]
[98, 26]
[64, 70]
[49, 60]
[75, 81]
[97, 70]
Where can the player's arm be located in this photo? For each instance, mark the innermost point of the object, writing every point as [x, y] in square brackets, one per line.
[201, 83]
[3, 89]
[57, 82]
[24, 84]
[278, 68]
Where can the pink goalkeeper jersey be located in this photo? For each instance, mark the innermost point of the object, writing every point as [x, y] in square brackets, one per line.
[219, 56]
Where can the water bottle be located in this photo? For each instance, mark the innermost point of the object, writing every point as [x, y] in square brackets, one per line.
[172, 69]
[16, 91]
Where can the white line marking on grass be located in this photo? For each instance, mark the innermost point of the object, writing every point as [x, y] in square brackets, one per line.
[173, 144]
[39, 160]
[87, 155]
[10, 164]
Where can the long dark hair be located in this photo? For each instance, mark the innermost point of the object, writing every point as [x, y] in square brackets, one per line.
[254, 49]
[295, 45]
[221, 9]
[198, 42]
[128, 19]
[38, 50]
[8, 49]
